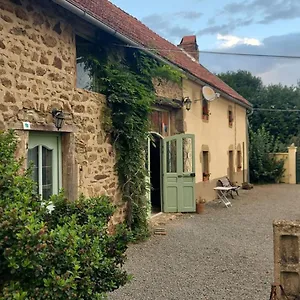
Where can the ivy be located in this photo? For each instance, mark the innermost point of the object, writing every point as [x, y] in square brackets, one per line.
[125, 76]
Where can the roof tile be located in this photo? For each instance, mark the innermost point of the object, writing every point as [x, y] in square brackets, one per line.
[122, 22]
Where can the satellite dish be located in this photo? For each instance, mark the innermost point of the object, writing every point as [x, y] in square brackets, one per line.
[209, 94]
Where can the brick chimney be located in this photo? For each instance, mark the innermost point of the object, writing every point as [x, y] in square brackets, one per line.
[189, 44]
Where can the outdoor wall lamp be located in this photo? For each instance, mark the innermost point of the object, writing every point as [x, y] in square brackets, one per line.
[58, 117]
[187, 102]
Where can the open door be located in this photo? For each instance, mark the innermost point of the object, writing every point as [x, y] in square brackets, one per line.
[179, 173]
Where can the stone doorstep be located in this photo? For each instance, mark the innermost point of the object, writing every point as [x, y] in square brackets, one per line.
[158, 221]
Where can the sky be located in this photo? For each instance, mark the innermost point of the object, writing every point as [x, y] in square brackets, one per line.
[243, 26]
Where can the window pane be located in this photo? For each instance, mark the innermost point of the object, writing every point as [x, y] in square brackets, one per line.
[33, 159]
[165, 116]
[205, 162]
[83, 79]
[171, 156]
[47, 172]
[187, 154]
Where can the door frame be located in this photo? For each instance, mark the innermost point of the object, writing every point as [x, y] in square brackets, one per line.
[148, 180]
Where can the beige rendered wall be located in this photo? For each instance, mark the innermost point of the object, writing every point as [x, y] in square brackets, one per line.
[215, 136]
[289, 158]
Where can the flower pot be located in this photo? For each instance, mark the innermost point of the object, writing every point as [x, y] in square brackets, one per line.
[200, 207]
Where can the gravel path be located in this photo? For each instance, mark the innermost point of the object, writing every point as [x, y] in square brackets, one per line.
[221, 254]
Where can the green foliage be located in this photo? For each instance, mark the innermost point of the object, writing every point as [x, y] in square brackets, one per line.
[264, 168]
[246, 84]
[67, 254]
[125, 77]
[284, 125]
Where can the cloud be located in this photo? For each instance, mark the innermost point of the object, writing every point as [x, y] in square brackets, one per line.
[190, 15]
[225, 28]
[272, 70]
[231, 40]
[266, 11]
[164, 26]
[249, 12]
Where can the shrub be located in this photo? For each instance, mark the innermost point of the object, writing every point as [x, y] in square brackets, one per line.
[66, 254]
[264, 168]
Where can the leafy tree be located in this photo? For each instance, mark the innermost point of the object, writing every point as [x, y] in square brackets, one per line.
[282, 124]
[246, 84]
[264, 168]
[66, 254]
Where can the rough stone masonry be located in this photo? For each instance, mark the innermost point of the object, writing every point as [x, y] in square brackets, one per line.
[286, 257]
[38, 73]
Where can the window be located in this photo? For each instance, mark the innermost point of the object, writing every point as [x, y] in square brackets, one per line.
[160, 122]
[205, 110]
[85, 79]
[205, 165]
[45, 159]
[230, 117]
[239, 160]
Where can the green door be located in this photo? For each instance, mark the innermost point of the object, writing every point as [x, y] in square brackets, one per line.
[179, 173]
[44, 153]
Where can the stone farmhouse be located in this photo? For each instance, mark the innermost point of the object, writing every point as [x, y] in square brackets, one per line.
[195, 142]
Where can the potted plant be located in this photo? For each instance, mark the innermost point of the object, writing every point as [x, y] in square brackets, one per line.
[200, 205]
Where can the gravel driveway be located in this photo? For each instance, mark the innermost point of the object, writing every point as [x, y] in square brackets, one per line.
[221, 254]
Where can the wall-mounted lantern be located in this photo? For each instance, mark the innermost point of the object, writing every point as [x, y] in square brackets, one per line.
[58, 117]
[187, 102]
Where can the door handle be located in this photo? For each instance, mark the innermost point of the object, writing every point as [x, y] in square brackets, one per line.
[180, 176]
[193, 175]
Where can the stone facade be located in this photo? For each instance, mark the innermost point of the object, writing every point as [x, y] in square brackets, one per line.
[286, 257]
[37, 74]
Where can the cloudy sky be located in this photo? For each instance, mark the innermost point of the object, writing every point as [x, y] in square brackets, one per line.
[243, 26]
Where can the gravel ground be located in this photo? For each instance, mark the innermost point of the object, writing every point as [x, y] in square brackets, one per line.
[221, 254]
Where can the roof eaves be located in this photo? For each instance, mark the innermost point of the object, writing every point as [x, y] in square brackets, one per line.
[91, 17]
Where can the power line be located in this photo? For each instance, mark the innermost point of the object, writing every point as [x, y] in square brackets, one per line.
[276, 109]
[252, 54]
[213, 52]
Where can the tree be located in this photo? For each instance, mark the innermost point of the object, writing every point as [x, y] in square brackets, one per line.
[283, 125]
[264, 168]
[246, 84]
[66, 254]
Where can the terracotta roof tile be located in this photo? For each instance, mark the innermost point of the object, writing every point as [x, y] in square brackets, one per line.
[122, 22]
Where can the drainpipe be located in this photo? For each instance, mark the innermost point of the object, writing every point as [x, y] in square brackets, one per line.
[248, 114]
[86, 16]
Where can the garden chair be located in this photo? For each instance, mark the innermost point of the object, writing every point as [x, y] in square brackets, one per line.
[225, 182]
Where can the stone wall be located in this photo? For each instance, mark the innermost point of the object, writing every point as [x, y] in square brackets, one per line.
[287, 257]
[167, 89]
[38, 73]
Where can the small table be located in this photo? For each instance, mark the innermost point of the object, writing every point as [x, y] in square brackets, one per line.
[222, 194]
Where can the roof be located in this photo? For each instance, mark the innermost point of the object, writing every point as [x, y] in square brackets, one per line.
[130, 27]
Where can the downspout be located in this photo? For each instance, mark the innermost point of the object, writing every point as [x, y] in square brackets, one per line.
[248, 114]
[86, 16]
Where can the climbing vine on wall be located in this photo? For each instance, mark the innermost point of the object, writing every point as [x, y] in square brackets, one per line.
[125, 77]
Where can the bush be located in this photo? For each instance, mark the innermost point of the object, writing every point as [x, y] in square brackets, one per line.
[264, 168]
[66, 254]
